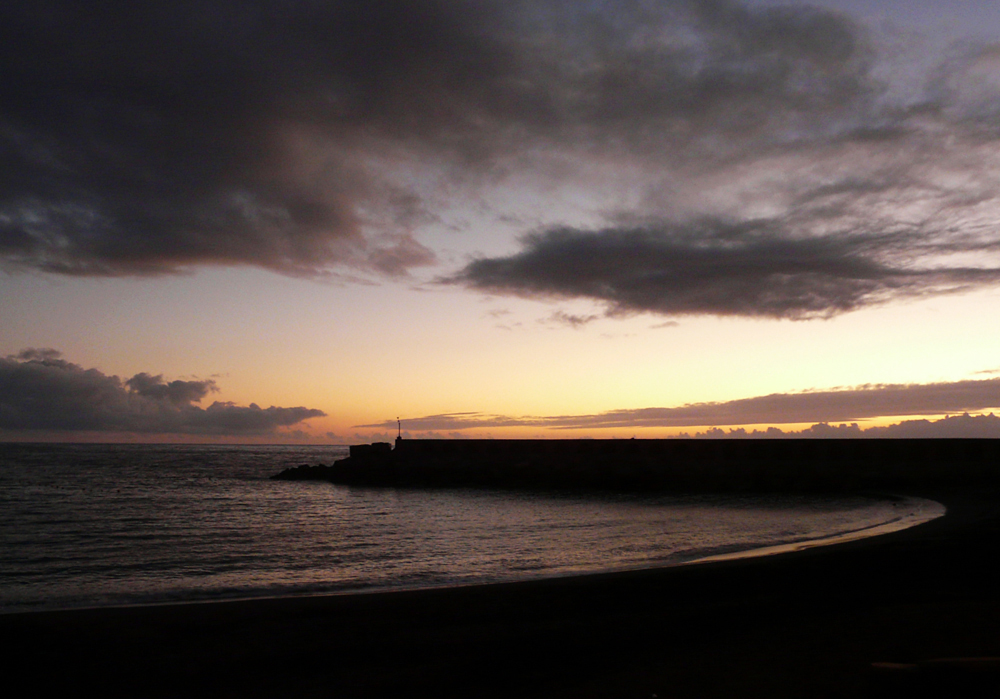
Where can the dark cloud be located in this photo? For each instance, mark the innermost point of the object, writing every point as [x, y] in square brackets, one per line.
[951, 427]
[144, 138]
[834, 197]
[751, 269]
[402, 253]
[842, 405]
[771, 171]
[896, 200]
[962, 426]
[569, 319]
[456, 421]
[39, 391]
[38, 353]
[177, 392]
[140, 139]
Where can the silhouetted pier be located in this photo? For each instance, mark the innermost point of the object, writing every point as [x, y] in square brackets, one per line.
[790, 465]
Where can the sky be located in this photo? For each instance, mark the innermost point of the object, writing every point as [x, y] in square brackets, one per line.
[279, 221]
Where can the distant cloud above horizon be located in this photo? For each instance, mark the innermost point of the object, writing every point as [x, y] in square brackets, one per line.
[41, 392]
[819, 407]
[963, 426]
[776, 162]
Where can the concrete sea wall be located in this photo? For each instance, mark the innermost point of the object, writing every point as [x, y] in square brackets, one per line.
[788, 465]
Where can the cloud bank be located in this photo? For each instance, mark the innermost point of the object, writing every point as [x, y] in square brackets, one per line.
[773, 162]
[40, 391]
[963, 426]
[758, 151]
[844, 405]
[714, 267]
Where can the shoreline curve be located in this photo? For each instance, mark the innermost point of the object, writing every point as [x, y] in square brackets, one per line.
[811, 623]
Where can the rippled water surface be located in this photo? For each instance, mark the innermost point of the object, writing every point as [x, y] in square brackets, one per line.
[132, 524]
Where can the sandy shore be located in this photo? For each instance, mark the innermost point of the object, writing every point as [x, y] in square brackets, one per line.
[810, 623]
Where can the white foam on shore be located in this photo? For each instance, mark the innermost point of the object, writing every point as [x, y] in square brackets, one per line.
[916, 511]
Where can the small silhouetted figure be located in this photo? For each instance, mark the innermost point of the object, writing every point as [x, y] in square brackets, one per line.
[399, 429]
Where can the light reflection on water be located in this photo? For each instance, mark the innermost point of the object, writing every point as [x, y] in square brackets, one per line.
[126, 524]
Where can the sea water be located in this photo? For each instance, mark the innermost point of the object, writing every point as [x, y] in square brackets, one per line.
[102, 525]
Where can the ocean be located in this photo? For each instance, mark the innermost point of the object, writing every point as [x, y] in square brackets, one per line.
[84, 525]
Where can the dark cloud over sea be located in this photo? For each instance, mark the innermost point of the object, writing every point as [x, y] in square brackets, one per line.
[40, 391]
[841, 405]
[767, 163]
[962, 426]
[713, 267]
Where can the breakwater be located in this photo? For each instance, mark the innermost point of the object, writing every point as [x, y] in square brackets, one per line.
[681, 465]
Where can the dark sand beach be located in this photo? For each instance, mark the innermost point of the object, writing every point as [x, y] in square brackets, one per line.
[805, 624]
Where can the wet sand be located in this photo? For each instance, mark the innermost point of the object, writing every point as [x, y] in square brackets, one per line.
[808, 623]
